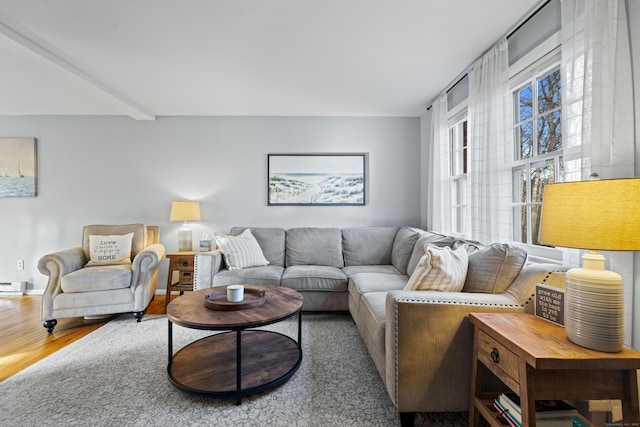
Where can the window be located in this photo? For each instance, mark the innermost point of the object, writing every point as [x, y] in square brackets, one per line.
[458, 150]
[538, 149]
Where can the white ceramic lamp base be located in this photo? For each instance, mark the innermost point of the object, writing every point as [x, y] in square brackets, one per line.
[185, 239]
[594, 311]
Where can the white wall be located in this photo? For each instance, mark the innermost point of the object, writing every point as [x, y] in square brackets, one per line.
[633, 9]
[117, 170]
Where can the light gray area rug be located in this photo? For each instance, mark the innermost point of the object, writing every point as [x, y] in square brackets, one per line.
[116, 376]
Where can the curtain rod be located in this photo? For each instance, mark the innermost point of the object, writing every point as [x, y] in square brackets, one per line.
[509, 33]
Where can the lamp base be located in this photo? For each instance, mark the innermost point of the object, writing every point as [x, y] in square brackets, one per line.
[594, 311]
[185, 240]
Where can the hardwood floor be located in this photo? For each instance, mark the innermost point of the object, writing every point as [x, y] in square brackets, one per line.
[24, 341]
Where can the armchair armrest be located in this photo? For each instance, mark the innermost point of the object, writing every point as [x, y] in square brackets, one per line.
[429, 342]
[206, 265]
[57, 264]
[145, 262]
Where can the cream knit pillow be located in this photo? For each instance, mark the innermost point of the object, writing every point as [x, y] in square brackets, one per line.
[440, 269]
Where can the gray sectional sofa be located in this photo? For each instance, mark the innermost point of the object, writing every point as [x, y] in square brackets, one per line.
[420, 341]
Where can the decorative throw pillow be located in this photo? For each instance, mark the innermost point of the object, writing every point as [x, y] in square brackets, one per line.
[440, 269]
[493, 268]
[241, 251]
[110, 250]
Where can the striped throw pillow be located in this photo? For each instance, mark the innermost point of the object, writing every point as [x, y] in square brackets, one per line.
[241, 251]
[440, 269]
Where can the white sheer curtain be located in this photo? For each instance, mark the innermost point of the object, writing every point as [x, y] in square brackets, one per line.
[597, 103]
[489, 190]
[441, 203]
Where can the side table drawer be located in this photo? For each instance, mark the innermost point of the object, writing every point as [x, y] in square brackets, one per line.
[499, 360]
[183, 262]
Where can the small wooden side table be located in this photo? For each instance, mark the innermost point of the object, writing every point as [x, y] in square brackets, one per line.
[536, 360]
[182, 262]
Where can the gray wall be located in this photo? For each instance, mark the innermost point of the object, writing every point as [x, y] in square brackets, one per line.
[117, 170]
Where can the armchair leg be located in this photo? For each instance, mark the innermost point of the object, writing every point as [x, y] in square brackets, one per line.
[50, 324]
[138, 315]
[407, 419]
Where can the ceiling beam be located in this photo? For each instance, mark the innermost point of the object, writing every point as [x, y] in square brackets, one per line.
[45, 50]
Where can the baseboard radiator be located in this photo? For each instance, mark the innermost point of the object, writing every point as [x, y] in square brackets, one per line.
[12, 288]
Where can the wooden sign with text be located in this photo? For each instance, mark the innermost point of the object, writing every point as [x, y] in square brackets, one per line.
[550, 303]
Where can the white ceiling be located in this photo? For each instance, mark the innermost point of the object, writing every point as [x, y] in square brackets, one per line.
[148, 58]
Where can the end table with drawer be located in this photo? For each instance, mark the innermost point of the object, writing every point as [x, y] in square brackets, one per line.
[536, 360]
[182, 263]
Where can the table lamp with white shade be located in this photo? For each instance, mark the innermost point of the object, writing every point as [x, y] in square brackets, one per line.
[593, 215]
[185, 210]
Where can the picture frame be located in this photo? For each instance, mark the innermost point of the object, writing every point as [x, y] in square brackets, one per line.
[319, 179]
[18, 171]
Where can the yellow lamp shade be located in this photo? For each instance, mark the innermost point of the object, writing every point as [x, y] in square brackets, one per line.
[185, 210]
[601, 214]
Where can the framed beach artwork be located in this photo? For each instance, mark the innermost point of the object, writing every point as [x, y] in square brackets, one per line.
[317, 179]
[17, 167]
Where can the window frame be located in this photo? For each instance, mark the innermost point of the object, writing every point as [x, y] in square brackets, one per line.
[527, 71]
[457, 117]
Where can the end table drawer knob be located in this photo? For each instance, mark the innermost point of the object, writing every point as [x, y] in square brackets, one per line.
[495, 355]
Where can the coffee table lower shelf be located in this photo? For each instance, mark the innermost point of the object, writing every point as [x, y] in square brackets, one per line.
[209, 366]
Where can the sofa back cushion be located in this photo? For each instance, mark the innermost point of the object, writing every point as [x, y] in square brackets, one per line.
[314, 246]
[403, 245]
[271, 241]
[493, 268]
[368, 245]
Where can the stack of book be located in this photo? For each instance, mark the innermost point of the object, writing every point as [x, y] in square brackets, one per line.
[549, 413]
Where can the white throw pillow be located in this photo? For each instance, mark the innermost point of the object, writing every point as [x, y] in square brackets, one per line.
[110, 250]
[241, 251]
[440, 269]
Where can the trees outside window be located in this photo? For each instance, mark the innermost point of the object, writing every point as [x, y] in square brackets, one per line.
[538, 149]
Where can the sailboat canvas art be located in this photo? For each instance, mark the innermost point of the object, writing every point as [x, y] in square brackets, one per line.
[18, 166]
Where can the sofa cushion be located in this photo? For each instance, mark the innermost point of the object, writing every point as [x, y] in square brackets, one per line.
[403, 245]
[99, 278]
[380, 269]
[418, 249]
[110, 250]
[271, 241]
[368, 245]
[440, 269]
[314, 246]
[314, 278]
[266, 275]
[363, 283]
[493, 268]
[241, 251]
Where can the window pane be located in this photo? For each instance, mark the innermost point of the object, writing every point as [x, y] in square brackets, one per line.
[520, 224]
[549, 133]
[464, 147]
[541, 175]
[525, 139]
[452, 151]
[535, 223]
[549, 92]
[525, 101]
[519, 186]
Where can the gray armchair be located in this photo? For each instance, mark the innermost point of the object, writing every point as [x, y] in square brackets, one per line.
[76, 289]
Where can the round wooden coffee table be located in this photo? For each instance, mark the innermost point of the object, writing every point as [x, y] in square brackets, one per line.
[238, 362]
